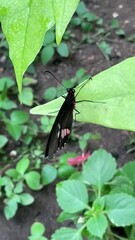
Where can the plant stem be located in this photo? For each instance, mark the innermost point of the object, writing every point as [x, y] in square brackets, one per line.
[132, 234]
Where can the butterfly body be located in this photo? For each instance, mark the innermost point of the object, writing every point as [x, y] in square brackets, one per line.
[61, 128]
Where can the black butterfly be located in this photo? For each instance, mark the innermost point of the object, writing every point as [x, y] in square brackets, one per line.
[62, 126]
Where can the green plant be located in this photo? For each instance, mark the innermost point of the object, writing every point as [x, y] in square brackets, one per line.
[50, 48]
[37, 231]
[15, 180]
[102, 199]
[46, 14]
[110, 105]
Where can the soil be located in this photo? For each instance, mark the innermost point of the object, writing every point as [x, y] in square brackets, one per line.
[45, 208]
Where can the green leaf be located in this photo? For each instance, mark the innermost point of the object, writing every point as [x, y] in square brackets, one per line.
[3, 141]
[50, 93]
[25, 40]
[64, 216]
[47, 54]
[26, 199]
[33, 180]
[10, 209]
[128, 171]
[27, 96]
[7, 104]
[49, 174]
[29, 81]
[110, 106]
[22, 165]
[19, 117]
[120, 32]
[18, 188]
[131, 38]
[14, 130]
[81, 9]
[65, 233]
[63, 11]
[62, 49]
[97, 225]
[49, 38]
[72, 191]
[122, 184]
[120, 209]
[12, 173]
[6, 81]
[37, 229]
[65, 171]
[99, 168]
[114, 23]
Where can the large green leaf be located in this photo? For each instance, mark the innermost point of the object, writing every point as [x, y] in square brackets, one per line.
[113, 93]
[120, 209]
[24, 24]
[99, 168]
[72, 196]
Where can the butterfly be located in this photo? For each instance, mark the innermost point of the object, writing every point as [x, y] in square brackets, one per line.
[62, 126]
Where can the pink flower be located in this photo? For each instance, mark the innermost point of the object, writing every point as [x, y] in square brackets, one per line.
[79, 159]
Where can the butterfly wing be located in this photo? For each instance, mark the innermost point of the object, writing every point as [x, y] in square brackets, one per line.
[60, 130]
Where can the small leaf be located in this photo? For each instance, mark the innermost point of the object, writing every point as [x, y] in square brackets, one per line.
[120, 32]
[81, 9]
[120, 209]
[22, 165]
[19, 117]
[97, 225]
[99, 168]
[6, 81]
[65, 171]
[63, 50]
[27, 96]
[37, 229]
[128, 171]
[72, 191]
[49, 37]
[64, 216]
[65, 233]
[47, 54]
[3, 141]
[7, 104]
[18, 188]
[50, 93]
[26, 199]
[12, 173]
[49, 174]
[28, 80]
[114, 23]
[33, 180]
[14, 130]
[10, 209]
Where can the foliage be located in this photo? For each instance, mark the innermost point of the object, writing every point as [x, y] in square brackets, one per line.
[104, 105]
[43, 14]
[37, 231]
[15, 180]
[102, 198]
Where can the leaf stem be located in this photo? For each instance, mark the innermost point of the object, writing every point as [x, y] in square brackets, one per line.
[132, 234]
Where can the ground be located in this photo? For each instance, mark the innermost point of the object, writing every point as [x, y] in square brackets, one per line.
[45, 208]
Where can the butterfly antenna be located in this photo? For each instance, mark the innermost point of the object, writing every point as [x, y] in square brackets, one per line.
[55, 78]
[83, 85]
